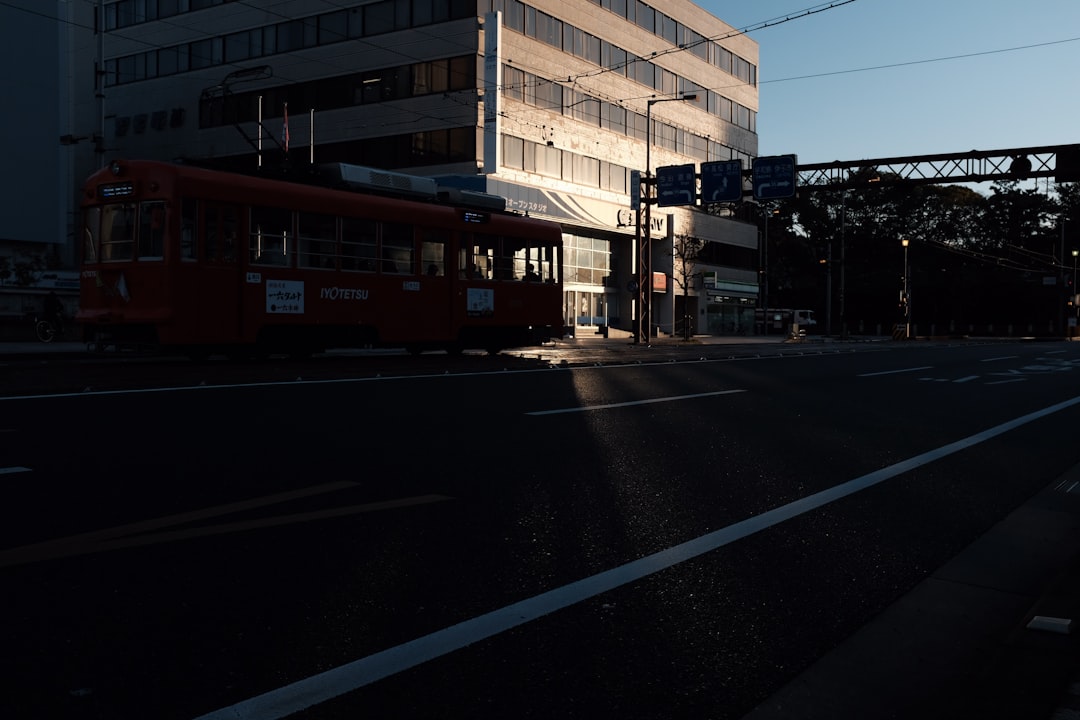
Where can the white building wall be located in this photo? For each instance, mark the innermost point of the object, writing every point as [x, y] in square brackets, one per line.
[520, 119]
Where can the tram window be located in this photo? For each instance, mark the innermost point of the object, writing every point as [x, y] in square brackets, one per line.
[499, 254]
[152, 230]
[397, 248]
[91, 227]
[504, 263]
[187, 229]
[549, 263]
[478, 259]
[433, 251]
[358, 244]
[537, 263]
[271, 235]
[524, 262]
[117, 232]
[210, 237]
[317, 238]
[229, 233]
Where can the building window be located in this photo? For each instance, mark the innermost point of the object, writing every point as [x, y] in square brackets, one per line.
[513, 155]
[549, 161]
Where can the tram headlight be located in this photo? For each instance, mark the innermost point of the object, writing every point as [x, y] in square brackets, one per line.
[116, 167]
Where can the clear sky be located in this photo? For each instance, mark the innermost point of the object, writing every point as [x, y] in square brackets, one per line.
[868, 79]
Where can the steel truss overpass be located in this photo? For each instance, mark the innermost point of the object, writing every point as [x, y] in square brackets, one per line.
[1061, 162]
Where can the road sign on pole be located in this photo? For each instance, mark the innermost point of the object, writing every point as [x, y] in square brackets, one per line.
[676, 185]
[774, 177]
[721, 181]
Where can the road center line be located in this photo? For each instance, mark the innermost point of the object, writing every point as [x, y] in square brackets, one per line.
[1003, 357]
[11, 470]
[894, 372]
[332, 683]
[671, 398]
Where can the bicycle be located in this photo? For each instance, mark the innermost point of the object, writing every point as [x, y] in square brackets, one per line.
[47, 330]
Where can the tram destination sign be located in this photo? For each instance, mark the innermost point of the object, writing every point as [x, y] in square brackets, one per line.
[774, 177]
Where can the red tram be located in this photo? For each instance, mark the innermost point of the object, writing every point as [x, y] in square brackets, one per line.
[204, 261]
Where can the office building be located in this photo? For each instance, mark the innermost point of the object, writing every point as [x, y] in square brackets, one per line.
[544, 102]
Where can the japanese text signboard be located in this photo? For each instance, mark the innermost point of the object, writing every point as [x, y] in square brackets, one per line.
[285, 297]
[676, 185]
[721, 181]
[774, 177]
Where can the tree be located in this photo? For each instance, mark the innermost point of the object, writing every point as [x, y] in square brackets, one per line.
[686, 250]
[26, 270]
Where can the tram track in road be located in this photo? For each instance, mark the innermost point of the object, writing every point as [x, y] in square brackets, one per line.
[177, 616]
[74, 374]
[192, 525]
[311, 691]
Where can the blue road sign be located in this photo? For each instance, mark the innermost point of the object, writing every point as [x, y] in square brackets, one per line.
[676, 185]
[721, 181]
[774, 177]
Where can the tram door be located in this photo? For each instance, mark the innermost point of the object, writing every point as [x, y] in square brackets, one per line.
[219, 291]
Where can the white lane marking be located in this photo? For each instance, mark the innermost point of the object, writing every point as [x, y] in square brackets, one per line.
[16, 469]
[1006, 382]
[333, 683]
[670, 398]
[969, 378]
[894, 372]
[1003, 357]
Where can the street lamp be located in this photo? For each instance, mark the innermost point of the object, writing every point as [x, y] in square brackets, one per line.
[843, 263]
[1076, 309]
[645, 277]
[907, 292]
[763, 281]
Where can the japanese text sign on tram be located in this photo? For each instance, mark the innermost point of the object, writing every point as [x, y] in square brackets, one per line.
[721, 181]
[774, 177]
[676, 185]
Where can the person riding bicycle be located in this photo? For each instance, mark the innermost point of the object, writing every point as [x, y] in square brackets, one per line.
[54, 310]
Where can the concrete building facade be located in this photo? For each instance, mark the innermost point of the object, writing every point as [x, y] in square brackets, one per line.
[47, 84]
[544, 102]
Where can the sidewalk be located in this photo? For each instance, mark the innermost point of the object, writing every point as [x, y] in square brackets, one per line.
[963, 644]
[29, 348]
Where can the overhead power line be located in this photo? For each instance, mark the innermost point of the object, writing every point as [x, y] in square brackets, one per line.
[921, 62]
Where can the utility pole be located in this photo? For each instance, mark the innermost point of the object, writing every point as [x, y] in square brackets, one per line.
[645, 276]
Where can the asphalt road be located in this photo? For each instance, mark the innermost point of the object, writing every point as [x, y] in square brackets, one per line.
[571, 534]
